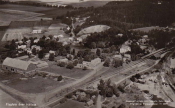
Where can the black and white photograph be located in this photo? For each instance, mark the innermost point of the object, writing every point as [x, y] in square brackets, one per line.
[87, 53]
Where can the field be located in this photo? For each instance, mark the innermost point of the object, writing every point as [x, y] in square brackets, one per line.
[23, 7]
[37, 84]
[146, 29]
[89, 4]
[54, 12]
[93, 29]
[14, 15]
[73, 73]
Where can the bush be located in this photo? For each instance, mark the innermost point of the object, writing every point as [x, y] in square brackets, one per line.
[70, 66]
[63, 100]
[62, 64]
[120, 88]
[59, 78]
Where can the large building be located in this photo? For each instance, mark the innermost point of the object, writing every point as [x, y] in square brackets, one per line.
[19, 66]
[89, 65]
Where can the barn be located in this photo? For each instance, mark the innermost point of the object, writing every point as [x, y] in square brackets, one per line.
[19, 66]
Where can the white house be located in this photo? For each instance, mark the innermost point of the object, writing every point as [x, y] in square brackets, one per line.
[64, 60]
[36, 31]
[47, 38]
[89, 65]
[118, 56]
[79, 39]
[124, 49]
[36, 41]
[23, 47]
[52, 52]
[120, 35]
[38, 48]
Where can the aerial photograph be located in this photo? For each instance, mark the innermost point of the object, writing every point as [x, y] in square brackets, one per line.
[87, 53]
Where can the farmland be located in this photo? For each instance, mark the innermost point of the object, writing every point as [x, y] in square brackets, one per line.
[54, 12]
[24, 8]
[35, 84]
[14, 15]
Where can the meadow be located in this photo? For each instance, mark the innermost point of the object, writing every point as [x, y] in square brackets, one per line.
[23, 7]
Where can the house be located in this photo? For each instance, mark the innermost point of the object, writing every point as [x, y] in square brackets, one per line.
[172, 63]
[120, 35]
[65, 43]
[118, 56]
[38, 48]
[47, 38]
[90, 103]
[126, 57]
[79, 39]
[16, 65]
[28, 43]
[143, 47]
[124, 49]
[71, 39]
[145, 36]
[64, 60]
[36, 41]
[23, 47]
[89, 65]
[52, 52]
[57, 36]
[36, 31]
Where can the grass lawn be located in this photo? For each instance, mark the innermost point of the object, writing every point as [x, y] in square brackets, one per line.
[71, 104]
[74, 73]
[24, 7]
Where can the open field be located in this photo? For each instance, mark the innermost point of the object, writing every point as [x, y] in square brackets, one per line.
[23, 7]
[54, 12]
[93, 29]
[146, 29]
[74, 73]
[14, 15]
[89, 4]
[36, 84]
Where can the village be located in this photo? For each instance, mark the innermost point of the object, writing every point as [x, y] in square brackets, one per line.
[77, 59]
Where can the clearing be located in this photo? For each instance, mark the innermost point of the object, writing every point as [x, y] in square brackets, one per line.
[93, 29]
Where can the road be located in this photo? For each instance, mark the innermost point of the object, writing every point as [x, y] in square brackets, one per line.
[99, 101]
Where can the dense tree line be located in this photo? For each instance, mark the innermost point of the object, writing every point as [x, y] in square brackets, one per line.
[128, 15]
[104, 39]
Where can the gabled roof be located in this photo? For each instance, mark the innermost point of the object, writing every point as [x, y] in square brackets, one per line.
[16, 63]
